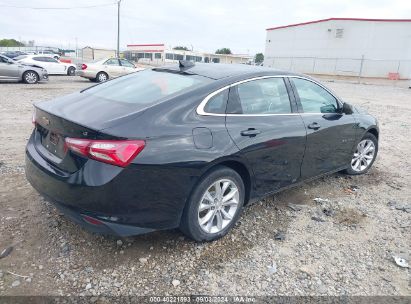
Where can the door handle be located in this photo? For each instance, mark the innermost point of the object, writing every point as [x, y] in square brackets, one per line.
[250, 132]
[314, 126]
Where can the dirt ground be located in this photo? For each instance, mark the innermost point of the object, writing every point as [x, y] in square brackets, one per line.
[347, 249]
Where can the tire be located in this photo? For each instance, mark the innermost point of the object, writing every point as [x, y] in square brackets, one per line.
[220, 212]
[30, 77]
[71, 71]
[365, 163]
[101, 77]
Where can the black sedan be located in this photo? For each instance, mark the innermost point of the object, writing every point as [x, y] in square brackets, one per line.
[189, 146]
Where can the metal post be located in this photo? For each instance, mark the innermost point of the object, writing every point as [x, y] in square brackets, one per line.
[314, 60]
[361, 65]
[118, 28]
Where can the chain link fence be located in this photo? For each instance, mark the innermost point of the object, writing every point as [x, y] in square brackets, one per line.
[354, 67]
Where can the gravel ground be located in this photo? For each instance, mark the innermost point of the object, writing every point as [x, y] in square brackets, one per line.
[340, 245]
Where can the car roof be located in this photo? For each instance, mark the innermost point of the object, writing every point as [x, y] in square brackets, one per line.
[221, 70]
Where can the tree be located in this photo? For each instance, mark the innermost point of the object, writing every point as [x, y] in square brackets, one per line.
[259, 58]
[223, 51]
[180, 48]
[10, 42]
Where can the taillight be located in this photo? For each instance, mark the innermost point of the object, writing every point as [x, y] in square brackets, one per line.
[115, 152]
[33, 117]
[84, 66]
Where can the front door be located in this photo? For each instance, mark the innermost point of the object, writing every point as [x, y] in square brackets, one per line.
[330, 133]
[8, 70]
[264, 124]
[113, 68]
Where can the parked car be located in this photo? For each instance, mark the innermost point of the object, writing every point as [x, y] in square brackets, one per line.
[13, 54]
[104, 69]
[11, 70]
[53, 66]
[49, 53]
[189, 145]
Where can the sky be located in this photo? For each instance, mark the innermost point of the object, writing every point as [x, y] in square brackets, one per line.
[200, 25]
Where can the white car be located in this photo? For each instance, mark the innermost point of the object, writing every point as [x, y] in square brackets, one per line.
[49, 54]
[107, 68]
[53, 66]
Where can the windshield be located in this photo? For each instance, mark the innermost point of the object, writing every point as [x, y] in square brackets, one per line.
[146, 87]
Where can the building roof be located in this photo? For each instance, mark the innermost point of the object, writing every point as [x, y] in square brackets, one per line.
[341, 19]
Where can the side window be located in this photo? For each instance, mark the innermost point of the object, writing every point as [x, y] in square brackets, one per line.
[313, 98]
[41, 59]
[3, 60]
[217, 104]
[112, 62]
[126, 63]
[49, 59]
[263, 96]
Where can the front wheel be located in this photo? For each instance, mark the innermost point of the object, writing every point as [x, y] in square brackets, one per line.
[30, 77]
[214, 206]
[364, 155]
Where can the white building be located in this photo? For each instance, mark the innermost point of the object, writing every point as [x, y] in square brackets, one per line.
[342, 46]
[158, 54]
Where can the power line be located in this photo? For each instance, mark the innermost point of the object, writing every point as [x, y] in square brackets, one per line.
[57, 8]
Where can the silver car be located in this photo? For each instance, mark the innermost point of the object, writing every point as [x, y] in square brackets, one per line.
[11, 70]
[104, 69]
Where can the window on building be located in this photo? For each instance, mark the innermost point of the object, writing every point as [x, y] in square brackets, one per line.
[264, 96]
[190, 58]
[169, 56]
[198, 58]
[313, 98]
[178, 57]
[206, 59]
[148, 55]
[339, 33]
[216, 60]
[140, 55]
[157, 56]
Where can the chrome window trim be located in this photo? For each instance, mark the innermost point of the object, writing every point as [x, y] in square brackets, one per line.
[200, 108]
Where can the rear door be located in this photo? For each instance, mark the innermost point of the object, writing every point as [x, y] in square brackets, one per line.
[263, 122]
[330, 133]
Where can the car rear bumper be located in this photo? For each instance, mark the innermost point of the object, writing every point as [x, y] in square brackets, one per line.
[127, 201]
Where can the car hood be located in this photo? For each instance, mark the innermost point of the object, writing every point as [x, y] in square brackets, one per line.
[90, 111]
[360, 110]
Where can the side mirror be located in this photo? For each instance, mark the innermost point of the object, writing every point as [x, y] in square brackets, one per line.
[347, 108]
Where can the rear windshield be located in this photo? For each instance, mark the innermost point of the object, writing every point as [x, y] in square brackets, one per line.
[146, 87]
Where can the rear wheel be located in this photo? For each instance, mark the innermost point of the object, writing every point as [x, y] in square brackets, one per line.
[101, 77]
[30, 77]
[71, 71]
[364, 155]
[214, 206]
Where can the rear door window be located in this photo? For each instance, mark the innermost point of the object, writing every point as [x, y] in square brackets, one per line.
[262, 96]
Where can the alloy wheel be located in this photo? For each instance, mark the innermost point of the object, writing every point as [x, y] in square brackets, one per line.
[102, 77]
[30, 77]
[363, 155]
[218, 206]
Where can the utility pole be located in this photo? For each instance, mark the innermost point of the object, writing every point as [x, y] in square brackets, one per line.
[118, 28]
